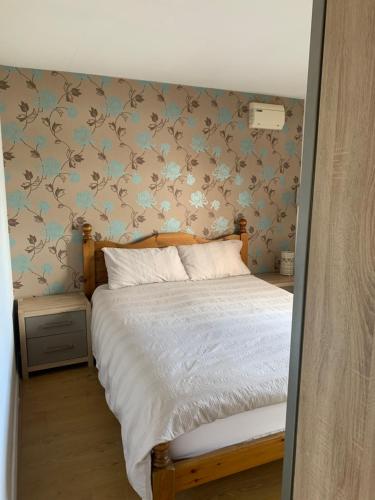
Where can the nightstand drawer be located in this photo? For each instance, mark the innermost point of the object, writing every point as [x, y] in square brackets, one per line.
[55, 324]
[55, 348]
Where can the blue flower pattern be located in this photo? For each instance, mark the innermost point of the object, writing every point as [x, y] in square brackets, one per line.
[171, 225]
[41, 141]
[21, 263]
[12, 132]
[216, 151]
[165, 205]
[136, 179]
[54, 230]
[128, 185]
[84, 199]
[190, 179]
[247, 146]
[114, 105]
[47, 268]
[198, 199]
[245, 199]
[115, 169]
[173, 111]
[51, 167]
[198, 143]
[291, 148]
[220, 225]
[268, 172]
[145, 199]
[165, 149]
[106, 143]
[172, 171]
[17, 200]
[117, 228]
[191, 122]
[238, 180]
[265, 223]
[224, 116]
[108, 206]
[82, 136]
[287, 197]
[144, 140]
[48, 100]
[72, 112]
[74, 177]
[222, 172]
[44, 207]
[135, 117]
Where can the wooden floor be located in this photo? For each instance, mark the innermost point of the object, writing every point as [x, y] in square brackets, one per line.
[71, 447]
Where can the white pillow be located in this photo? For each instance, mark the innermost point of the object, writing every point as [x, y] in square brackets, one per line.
[218, 259]
[127, 267]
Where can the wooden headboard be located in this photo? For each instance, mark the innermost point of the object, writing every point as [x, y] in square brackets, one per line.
[95, 272]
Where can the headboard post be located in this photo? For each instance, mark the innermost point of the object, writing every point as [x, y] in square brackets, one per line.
[245, 240]
[88, 260]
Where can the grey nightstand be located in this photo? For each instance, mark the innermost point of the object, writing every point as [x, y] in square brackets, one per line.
[54, 331]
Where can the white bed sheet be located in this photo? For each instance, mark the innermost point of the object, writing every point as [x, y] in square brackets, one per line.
[245, 426]
[175, 356]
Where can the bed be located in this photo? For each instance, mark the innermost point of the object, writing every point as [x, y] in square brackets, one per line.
[173, 359]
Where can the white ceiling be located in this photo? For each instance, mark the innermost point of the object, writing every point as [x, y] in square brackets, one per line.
[247, 45]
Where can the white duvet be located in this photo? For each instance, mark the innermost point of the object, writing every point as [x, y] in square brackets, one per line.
[174, 356]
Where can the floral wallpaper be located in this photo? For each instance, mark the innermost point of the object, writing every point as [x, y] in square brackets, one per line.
[133, 158]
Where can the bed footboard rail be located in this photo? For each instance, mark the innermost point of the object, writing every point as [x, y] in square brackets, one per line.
[169, 477]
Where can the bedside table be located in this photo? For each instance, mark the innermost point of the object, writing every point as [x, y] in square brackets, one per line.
[54, 331]
[286, 282]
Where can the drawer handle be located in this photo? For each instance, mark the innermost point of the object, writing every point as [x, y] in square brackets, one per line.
[57, 324]
[58, 348]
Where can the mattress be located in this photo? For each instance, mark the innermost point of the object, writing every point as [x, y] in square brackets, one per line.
[245, 426]
[175, 357]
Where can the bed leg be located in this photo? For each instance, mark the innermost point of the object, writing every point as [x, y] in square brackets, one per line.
[163, 473]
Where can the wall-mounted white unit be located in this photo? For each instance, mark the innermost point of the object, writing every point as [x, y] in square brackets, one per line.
[266, 116]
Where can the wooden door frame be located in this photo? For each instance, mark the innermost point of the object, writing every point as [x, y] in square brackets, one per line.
[310, 132]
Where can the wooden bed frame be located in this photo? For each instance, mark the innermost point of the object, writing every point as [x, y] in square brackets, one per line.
[170, 476]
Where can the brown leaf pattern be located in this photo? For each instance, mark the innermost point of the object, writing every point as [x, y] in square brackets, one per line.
[135, 158]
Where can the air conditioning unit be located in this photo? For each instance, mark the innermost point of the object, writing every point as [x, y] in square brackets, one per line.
[266, 116]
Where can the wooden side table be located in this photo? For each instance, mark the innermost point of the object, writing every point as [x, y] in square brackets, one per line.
[278, 279]
[54, 331]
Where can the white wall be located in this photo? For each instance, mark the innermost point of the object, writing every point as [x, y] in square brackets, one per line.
[8, 376]
[258, 46]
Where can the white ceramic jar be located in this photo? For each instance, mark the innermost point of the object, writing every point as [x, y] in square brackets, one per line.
[287, 263]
